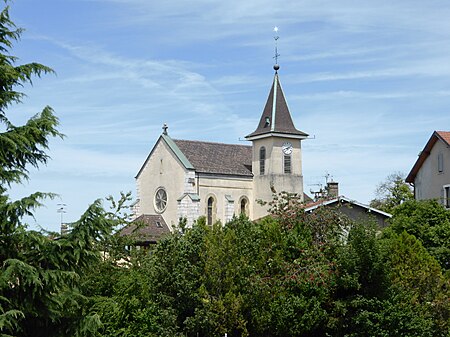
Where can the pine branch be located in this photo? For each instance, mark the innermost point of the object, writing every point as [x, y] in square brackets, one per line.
[24, 145]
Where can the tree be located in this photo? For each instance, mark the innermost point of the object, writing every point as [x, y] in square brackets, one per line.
[392, 192]
[388, 286]
[286, 275]
[429, 222]
[39, 276]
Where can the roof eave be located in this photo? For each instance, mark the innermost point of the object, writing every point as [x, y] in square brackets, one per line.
[300, 136]
[350, 201]
[174, 148]
[148, 157]
[178, 153]
[220, 175]
[440, 135]
[422, 157]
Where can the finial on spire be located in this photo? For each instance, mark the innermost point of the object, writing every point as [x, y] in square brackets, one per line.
[165, 127]
[276, 37]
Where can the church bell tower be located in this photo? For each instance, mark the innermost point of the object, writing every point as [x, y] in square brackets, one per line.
[277, 151]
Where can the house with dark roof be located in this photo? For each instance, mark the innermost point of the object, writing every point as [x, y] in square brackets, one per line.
[353, 209]
[146, 229]
[189, 179]
[430, 174]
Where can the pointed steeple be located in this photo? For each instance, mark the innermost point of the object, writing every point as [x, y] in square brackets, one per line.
[276, 119]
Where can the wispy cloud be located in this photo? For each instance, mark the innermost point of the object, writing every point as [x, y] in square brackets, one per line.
[338, 95]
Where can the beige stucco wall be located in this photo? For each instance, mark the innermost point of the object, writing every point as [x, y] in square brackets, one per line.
[219, 187]
[274, 155]
[274, 171]
[161, 170]
[428, 183]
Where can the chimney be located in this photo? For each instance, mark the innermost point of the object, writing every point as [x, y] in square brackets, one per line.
[333, 189]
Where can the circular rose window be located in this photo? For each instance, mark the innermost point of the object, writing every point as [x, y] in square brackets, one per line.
[160, 200]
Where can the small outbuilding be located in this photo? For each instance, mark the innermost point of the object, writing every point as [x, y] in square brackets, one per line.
[353, 209]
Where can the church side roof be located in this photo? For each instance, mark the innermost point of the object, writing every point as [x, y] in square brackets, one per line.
[217, 158]
[276, 117]
[443, 136]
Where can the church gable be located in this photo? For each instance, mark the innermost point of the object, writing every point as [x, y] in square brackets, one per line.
[175, 151]
[162, 180]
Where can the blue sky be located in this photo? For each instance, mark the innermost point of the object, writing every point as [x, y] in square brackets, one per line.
[370, 80]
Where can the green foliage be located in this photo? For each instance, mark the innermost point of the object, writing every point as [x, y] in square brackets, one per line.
[388, 287]
[40, 276]
[290, 274]
[429, 222]
[412, 267]
[393, 316]
[362, 269]
[414, 271]
[39, 272]
[24, 145]
[392, 192]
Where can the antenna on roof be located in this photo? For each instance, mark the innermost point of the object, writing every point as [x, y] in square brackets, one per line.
[276, 37]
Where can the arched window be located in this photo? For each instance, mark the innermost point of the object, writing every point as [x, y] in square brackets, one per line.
[262, 160]
[210, 211]
[287, 164]
[243, 206]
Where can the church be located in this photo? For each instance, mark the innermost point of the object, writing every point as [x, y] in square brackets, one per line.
[189, 179]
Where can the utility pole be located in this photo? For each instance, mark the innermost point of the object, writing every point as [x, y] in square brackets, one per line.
[61, 210]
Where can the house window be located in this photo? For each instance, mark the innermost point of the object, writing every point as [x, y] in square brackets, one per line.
[243, 206]
[287, 164]
[210, 210]
[262, 160]
[440, 163]
[447, 196]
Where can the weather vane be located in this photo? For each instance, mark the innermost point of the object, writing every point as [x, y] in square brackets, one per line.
[276, 37]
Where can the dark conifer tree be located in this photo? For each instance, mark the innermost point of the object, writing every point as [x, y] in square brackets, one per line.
[39, 293]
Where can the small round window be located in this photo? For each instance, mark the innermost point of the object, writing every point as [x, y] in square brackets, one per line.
[160, 200]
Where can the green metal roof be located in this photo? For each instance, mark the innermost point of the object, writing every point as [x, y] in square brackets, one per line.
[193, 196]
[176, 150]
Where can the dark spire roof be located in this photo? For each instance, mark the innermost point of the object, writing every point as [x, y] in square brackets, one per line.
[276, 117]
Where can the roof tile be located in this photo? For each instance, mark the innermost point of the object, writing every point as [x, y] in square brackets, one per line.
[217, 158]
[445, 135]
[147, 227]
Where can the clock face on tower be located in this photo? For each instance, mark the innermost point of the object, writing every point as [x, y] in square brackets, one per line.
[287, 148]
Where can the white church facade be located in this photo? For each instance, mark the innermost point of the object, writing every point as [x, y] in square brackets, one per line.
[189, 179]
